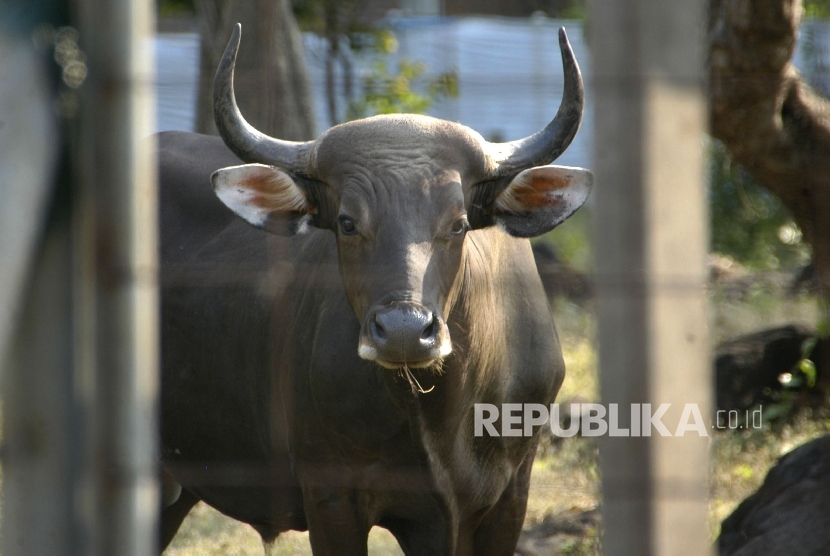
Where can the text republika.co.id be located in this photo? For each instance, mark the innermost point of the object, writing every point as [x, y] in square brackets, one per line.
[593, 419]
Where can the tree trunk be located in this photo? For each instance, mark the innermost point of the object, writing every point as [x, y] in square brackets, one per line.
[772, 122]
[271, 82]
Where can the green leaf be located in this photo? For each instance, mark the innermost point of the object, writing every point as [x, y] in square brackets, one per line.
[387, 42]
[744, 471]
[817, 8]
[406, 91]
[807, 367]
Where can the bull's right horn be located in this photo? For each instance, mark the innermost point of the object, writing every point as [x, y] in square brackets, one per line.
[544, 146]
[246, 142]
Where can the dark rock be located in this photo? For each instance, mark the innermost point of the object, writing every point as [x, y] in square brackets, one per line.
[747, 369]
[790, 513]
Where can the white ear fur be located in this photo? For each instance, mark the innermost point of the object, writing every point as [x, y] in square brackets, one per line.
[255, 191]
[545, 187]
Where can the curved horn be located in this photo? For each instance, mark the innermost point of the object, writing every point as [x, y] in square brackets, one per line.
[246, 142]
[544, 146]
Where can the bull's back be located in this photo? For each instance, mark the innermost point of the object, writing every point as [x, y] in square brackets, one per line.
[217, 337]
[190, 214]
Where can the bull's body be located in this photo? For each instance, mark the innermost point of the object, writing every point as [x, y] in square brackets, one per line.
[272, 415]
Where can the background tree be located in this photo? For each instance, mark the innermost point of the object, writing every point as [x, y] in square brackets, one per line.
[769, 118]
[773, 123]
[336, 21]
[354, 28]
[272, 86]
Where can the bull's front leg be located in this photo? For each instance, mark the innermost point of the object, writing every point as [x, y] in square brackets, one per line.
[337, 521]
[498, 532]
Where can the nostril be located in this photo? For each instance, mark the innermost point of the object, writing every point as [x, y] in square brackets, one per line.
[431, 329]
[377, 329]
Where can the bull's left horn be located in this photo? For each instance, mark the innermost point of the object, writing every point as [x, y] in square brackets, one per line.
[246, 142]
[544, 146]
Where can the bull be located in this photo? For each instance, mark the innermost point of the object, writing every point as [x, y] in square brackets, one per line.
[325, 341]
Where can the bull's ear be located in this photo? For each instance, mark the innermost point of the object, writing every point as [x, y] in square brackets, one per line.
[265, 197]
[541, 198]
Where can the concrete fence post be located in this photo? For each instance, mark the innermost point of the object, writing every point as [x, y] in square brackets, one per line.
[651, 244]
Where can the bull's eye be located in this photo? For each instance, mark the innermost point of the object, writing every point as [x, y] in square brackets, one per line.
[347, 225]
[459, 227]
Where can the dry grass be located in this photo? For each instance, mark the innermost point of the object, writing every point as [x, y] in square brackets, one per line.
[206, 532]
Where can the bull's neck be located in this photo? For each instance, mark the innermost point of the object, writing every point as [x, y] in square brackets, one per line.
[477, 317]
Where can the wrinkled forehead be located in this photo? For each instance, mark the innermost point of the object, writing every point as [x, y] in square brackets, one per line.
[419, 148]
[414, 197]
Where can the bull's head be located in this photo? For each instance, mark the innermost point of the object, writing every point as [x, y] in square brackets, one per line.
[401, 193]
